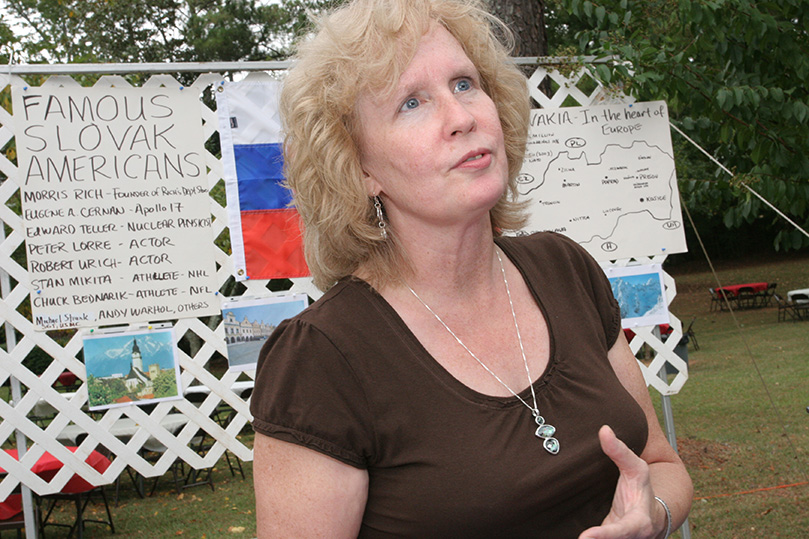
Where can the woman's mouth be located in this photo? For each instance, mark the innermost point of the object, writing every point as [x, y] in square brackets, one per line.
[475, 158]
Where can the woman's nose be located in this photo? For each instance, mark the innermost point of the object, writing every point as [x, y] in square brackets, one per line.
[459, 118]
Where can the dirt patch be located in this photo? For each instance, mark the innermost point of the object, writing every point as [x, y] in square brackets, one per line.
[703, 454]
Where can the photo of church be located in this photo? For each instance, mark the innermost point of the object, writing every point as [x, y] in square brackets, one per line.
[126, 368]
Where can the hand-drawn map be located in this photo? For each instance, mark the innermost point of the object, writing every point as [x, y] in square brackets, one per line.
[604, 176]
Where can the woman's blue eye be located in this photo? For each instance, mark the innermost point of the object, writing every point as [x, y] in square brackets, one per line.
[410, 104]
[463, 85]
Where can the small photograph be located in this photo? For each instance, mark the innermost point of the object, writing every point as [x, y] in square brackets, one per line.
[126, 367]
[641, 294]
[249, 321]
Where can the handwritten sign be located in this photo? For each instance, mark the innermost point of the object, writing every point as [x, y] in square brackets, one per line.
[604, 176]
[115, 205]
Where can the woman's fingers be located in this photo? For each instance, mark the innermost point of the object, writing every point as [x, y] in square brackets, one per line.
[628, 462]
[629, 516]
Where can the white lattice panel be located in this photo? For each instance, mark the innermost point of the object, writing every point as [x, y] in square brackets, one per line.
[194, 369]
[39, 390]
[578, 85]
[664, 357]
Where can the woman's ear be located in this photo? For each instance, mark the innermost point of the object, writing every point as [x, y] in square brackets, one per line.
[372, 187]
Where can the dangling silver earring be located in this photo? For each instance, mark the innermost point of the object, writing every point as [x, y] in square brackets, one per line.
[380, 218]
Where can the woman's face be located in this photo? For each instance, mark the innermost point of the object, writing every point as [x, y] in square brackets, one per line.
[434, 148]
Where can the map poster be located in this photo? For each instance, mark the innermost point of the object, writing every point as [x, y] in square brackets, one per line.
[115, 205]
[641, 294]
[248, 321]
[604, 176]
[131, 366]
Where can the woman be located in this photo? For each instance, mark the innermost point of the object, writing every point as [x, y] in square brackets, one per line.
[451, 382]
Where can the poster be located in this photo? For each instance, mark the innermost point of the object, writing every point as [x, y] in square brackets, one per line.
[604, 176]
[126, 367]
[641, 294]
[265, 230]
[249, 321]
[115, 205]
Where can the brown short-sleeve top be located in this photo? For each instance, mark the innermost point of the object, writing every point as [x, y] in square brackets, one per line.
[347, 378]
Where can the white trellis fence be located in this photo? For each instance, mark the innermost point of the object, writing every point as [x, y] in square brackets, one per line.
[578, 87]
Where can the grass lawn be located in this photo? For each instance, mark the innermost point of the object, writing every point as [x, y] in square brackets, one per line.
[741, 420]
[198, 512]
[741, 423]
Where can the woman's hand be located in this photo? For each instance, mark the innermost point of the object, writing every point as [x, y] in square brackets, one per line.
[635, 514]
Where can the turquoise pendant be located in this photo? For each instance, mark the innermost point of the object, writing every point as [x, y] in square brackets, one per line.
[546, 432]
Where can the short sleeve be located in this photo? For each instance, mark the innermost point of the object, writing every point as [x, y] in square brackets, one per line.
[307, 393]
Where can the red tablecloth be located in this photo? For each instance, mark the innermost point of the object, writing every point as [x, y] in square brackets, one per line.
[46, 467]
[11, 506]
[67, 378]
[665, 329]
[733, 289]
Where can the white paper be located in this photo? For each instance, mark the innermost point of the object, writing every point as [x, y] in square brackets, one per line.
[604, 176]
[115, 205]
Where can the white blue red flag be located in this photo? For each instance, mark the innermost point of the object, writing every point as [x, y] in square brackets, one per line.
[265, 232]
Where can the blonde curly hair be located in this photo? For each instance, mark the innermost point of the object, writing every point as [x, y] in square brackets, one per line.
[364, 46]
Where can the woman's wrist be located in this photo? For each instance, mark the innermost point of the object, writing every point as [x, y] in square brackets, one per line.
[666, 531]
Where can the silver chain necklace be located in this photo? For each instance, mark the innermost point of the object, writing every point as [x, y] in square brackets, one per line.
[544, 431]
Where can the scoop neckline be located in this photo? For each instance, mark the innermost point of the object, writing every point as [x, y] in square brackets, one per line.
[443, 375]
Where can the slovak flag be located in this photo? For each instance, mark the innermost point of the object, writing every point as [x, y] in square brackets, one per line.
[265, 232]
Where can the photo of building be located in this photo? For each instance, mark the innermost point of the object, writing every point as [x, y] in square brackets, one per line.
[248, 324]
[130, 367]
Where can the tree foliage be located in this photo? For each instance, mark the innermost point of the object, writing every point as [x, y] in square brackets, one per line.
[165, 384]
[7, 42]
[103, 391]
[72, 31]
[734, 74]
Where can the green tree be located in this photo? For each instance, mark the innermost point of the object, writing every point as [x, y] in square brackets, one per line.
[104, 391]
[96, 391]
[8, 41]
[734, 74]
[72, 31]
[165, 384]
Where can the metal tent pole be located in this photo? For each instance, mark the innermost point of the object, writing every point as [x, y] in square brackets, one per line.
[668, 423]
